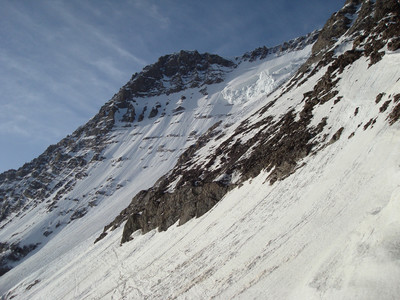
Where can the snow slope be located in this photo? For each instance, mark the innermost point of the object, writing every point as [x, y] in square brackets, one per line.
[136, 156]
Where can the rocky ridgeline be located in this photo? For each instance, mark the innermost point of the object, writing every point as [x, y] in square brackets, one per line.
[55, 172]
[370, 25]
[292, 45]
[47, 179]
[190, 189]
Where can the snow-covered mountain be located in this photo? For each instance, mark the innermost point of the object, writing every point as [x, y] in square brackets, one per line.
[274, 175]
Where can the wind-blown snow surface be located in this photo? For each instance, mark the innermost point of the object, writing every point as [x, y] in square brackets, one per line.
[134, 159]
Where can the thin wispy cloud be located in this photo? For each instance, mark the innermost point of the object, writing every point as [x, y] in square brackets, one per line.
[153, 11]
[91, 35]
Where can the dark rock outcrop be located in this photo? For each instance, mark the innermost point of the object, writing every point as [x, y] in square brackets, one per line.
[10, 254]
[394, 116]
[162, 209]
[335, 27]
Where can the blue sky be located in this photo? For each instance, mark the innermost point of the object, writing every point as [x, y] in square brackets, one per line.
[61, 60]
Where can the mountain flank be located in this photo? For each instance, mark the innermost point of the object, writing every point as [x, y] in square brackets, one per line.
[274, 174]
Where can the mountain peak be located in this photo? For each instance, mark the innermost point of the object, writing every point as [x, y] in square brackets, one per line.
[175, 72]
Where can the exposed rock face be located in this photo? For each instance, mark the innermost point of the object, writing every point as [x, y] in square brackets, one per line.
[163, 210]
[371, 24]
[335, 27]
[12, 253]
[293, 45]
[157, 207]
[394, 116]
[176, 72]
[368, 25]
[278, 145]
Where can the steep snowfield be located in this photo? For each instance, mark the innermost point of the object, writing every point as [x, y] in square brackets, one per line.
[134, 159]
[331, 230]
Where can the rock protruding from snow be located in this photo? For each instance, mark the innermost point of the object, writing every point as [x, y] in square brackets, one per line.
[367, 27]
[336, 26]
